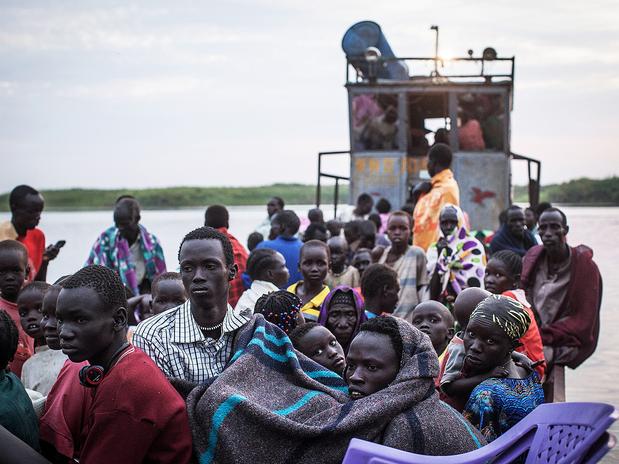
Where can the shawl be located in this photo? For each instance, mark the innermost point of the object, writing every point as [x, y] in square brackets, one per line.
[578, 320]
[505, 240]
[112, 250]
[273, 404]
[324, 310]
[463, 262]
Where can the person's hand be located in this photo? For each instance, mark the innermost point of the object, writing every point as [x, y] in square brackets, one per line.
[50, 253]
[441, 244]
[523, 361]
[419, 189]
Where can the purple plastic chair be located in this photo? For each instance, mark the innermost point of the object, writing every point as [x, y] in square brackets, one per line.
[553, 433]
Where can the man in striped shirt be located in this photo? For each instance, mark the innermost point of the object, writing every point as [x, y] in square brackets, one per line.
[194, 340]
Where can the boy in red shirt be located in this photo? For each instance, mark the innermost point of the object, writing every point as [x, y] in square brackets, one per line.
[13, 270]
[135, 415]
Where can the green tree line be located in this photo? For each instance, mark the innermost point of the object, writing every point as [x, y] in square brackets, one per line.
[577, 191]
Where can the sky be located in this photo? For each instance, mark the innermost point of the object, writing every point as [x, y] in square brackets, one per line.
[106, 94]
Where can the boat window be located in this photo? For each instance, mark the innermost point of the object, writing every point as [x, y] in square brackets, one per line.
[481, 122]
[375, 122]
[428, 121]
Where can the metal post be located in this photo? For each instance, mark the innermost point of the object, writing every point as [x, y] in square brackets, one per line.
[318, 184]
[435, 28]
[337, 197]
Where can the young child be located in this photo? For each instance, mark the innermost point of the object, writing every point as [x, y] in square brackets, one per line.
[37, 305]
[281, 308]
[380, 287]
[13, 271]
[503, 278]
[320, 345]
[341, 273]
[362, 259]
[16, 412]
[314, 265]
[499, 402]
[435, 320]
[167, 292]
[135, 411]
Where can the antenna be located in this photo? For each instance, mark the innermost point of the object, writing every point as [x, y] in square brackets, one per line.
[435, 28]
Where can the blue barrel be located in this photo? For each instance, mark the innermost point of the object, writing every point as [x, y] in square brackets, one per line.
[366, 34]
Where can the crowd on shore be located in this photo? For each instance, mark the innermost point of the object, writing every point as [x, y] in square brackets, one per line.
[403, 327]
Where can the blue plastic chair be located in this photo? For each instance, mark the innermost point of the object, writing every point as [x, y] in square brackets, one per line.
[553, 433]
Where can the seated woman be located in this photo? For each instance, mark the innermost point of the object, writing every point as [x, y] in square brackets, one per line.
[457, 260]
[342, 313]
[497, 404]
[268, 273]
[320, 345]
[300, 412]
[503, 278]
[281, 308]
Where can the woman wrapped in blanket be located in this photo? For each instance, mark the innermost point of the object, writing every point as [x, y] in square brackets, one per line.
[493, 331]
[291, 409]
[457, 260]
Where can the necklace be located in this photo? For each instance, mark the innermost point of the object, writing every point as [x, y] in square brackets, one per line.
[215, 327]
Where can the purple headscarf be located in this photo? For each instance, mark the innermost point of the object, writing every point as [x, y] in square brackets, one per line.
[358, 303]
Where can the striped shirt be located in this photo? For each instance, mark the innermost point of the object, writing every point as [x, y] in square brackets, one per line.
[176, 344]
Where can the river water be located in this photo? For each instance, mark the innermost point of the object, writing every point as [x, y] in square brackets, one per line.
[593, 381]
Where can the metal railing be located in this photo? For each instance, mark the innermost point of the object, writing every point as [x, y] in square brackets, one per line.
[337, 178]
[534, 177]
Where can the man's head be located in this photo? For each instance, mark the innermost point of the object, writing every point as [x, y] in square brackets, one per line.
[314, 261]
[362, 259]
[439, 158]
[207, 266]
[26, 206]
[268, 265]
[315, 231]
[315, 216]
[553, 229]
[383, 206]
[92, 315]
[216, 216]
[13, 268]
[275, 205]
[465, 303]
[9, 337]
[435, 320]
[285, 223]
[399, 228]
[167, 292]
[364, 204]
[30, 308]
[127, 218]
[380, 287]
[530, 218]
[320, 345]
[515, 221]
[338, 247]
[374, 356]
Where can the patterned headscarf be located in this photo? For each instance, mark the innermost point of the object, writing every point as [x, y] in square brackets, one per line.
[505, 312]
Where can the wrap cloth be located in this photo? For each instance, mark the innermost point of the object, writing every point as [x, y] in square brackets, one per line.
[273, 404]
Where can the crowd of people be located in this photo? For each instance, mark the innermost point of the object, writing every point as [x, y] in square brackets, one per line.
[400, 327]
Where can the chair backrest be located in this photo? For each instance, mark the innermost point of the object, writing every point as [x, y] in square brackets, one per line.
[557, 433]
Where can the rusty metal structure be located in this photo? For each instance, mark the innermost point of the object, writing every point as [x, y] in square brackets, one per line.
[399, 106]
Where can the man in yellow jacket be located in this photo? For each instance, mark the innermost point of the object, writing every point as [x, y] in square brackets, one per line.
[443, 189]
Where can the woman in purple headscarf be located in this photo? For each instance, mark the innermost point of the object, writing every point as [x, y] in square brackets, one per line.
[342, 313]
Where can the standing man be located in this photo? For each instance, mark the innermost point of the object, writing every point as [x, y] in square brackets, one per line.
[26, 205]
[193, 341]
[564, 286]
[129, 249]
[513, 235]
[274, 206]
[441, 189]
[217, 217]
[285, 227]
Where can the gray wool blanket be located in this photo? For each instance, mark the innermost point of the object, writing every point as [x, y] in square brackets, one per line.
[274, 405]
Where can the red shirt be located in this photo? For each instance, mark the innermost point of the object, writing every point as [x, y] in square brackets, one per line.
[34, 241]
[135, 415]
[240, 259]
[25, 343]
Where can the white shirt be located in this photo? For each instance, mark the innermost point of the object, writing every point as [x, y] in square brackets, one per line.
[248, 299]
[137, 256]
[176, 344]
[40, 371]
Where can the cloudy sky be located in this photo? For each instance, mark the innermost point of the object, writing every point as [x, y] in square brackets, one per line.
[153, 93]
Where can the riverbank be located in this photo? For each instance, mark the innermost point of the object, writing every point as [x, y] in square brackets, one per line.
[582, 192]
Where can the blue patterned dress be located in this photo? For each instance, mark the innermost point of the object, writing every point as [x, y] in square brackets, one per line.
[497, 404]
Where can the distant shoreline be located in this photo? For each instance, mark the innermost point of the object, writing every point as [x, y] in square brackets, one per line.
[578, 192]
